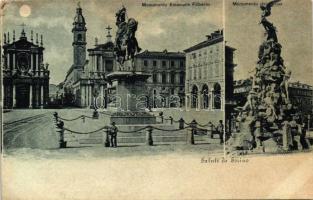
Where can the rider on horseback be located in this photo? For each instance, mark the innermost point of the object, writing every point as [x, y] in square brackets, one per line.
[126, 44]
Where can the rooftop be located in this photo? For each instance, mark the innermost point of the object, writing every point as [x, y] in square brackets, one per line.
[213, 38]
[160, 54]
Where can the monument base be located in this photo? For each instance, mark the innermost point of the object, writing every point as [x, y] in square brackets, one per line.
[128, 89]
[132, 118]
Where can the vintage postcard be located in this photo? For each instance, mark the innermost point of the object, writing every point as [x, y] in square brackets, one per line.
[156, 99]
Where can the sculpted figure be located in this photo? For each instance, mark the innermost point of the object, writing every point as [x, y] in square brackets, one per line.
[126, 45]
[266, 8]
[285, 83]
[269, 27]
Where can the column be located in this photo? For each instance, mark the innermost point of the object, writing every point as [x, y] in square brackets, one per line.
[30, 96]
[186, 102]
[31, 62]
[199, 100]
[222, 99]
[82, 96]
[86, 96]
[37, 62]
[211, 100]
[94, 63]
[14, 67]
[101, 96]
[41, 97]
[14, 96]
[102, 64]
[90, 95]
[8, 61]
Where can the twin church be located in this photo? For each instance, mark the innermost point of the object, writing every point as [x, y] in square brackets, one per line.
[25, 76]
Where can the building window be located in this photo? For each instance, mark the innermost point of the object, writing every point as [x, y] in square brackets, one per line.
[163, 77]
[154, 78]
[194, 74]
[181, 78]
[79, 37]
[145, 63]
[172, 77]
[163, 63]
[199, 72]
[172, 63]
[181, 63]
[154, 63]
[109, 65]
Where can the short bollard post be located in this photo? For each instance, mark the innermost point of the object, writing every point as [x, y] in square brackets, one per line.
[83, 118]
[181, 123]
[191, 131]
[106, 137]
[95, 114]
[149, 139]
[210, 130]
[162, 118]
[171, 120]
[286, 136]
[56, 116]
[195, 123]
[60, 126]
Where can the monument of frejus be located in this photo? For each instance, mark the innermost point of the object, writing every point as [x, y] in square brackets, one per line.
[268, 116]
[127, 83]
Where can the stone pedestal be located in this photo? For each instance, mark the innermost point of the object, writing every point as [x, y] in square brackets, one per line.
[129, 89]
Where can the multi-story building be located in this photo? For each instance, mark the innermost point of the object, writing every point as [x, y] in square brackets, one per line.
[301, 95]
[204, 85]
[241, 90]
[166, 84]
[25, 77]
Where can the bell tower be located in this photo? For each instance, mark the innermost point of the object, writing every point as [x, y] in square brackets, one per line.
[79, 39]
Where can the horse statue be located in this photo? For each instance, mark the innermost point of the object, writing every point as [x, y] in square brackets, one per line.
[126, 45]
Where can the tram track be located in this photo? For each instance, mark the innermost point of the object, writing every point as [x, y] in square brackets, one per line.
[15, 129]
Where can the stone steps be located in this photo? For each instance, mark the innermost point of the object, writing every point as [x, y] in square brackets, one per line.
[159, 136]
[140, 138]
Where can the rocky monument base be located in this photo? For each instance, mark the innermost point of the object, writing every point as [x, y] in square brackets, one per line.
[268, 121]
[129, 95]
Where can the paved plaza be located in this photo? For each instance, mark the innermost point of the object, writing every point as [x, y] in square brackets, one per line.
[32, 133]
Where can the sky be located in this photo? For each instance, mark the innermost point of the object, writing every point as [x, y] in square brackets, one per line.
[293, 20]
[171, 28]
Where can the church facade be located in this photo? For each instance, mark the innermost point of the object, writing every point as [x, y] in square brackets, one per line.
[25, 76]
